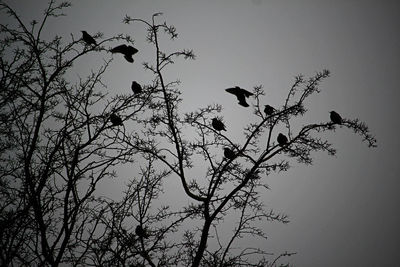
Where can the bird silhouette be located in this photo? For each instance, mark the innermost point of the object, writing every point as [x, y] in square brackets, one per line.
[218, 125]
[141, 232]
[88, 39]
[127, 50]
[136, 88]
[335, 117]
[268, 110]
[229, 153]
[282, 139]
[241, 95]
[115, 120]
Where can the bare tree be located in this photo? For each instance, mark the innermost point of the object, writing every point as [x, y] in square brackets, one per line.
[230, 184]
[58, 141]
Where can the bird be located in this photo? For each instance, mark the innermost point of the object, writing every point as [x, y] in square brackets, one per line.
[229, 153]
[115, 120]
[241, 94]
[335, 117]
[218, 125]
[253, 175]
[282, 139]
[141, 232]
[136, 88]
[127, 50]
[268, 110]
[88, 39]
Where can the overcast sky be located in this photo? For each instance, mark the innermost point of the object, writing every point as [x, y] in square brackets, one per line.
[344, 210]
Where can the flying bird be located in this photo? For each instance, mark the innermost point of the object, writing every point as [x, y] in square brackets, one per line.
[268, 110]
[136, 88]
[218, 125]
[241, 94]
[115, 120]
[335, 117]
[88, 39]
[127, 50]
[141, 232]
[282, 139]
[229, 153]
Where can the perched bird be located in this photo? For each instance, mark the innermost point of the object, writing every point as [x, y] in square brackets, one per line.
[282, 139]
[218, 125]
[136, 88]
[127, 50]
[241, 94]
[141, 232]
[253, 175]
[115, 120]
[88, 39]
[268, 110]
[228, 153]
[335, 117]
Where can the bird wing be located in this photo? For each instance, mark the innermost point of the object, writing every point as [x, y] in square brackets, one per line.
[119, 49]
[131, 50]
[129, 58]
[246, 93]
[235, 91]
[242, 100]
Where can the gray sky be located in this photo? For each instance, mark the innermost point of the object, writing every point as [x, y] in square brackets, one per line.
[344, 210]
